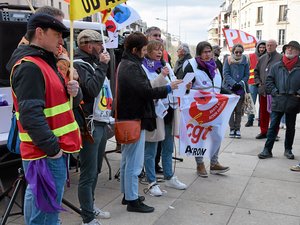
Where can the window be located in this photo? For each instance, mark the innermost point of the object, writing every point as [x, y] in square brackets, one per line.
[51, 3]
[282, 13]
[259, 15]
[59, 5]
[281, 36]
[258, 34]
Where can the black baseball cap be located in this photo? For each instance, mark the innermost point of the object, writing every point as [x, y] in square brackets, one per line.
[46, 21]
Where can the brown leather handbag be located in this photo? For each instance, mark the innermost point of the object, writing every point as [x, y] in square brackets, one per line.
[126, 131]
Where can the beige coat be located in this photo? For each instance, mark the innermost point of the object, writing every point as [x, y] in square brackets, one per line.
[159, 133]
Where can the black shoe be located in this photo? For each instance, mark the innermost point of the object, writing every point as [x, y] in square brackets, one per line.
[289, 154]
[125, 202]
[249, 124]
[139, 206]
[158, 169]
[261, 136]
[265, 154]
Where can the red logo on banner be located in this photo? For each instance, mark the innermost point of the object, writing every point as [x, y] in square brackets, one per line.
[234, 36]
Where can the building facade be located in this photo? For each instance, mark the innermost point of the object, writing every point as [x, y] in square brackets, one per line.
[264, 19]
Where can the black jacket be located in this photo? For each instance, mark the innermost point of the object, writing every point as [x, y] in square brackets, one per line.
[135, 94]
[90, 81]
[29, 86]
[178, 71]
[284, 87]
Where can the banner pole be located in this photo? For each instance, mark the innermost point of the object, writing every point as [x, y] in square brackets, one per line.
[101, 29]
[71, 57]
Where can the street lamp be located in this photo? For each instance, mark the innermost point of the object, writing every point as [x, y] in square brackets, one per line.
[167, 23]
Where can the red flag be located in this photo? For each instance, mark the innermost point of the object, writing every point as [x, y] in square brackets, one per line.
[234, 36]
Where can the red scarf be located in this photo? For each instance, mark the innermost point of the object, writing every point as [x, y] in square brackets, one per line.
[289, 63]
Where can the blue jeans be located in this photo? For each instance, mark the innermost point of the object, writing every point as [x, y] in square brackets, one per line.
[33, 215]
[167, 146]
[91, 157]
[273, 130]
[254, 93]
[213, 160]
[131, 166]
[149, 160]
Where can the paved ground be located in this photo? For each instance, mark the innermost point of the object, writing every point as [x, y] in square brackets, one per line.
[253, 192]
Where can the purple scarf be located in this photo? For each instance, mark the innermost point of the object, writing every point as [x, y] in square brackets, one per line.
[42, 185]
[210, 65]
[152, 65]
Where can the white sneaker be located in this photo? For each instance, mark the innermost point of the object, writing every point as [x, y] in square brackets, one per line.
[93, 222]
[175, 183]
[154, 189]
[100, 213]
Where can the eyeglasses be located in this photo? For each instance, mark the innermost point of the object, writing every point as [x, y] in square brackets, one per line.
[238, 52]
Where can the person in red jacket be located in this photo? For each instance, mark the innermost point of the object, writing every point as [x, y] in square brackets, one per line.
[260, 50]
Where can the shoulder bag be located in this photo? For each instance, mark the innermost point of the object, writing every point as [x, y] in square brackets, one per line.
[126, 131]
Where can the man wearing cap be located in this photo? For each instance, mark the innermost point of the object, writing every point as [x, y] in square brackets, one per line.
[217, 52]
[47, 128]
[283, 83]
[92, 65]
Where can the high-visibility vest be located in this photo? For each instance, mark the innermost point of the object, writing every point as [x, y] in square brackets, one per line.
[253, 61]
[57, 111]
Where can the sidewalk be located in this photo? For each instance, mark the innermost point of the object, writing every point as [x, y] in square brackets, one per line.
[253, 192]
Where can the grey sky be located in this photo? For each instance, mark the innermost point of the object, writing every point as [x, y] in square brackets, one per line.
[192, 17]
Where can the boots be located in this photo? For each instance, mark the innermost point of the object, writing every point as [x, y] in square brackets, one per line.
[288, 153]
[125, 202]
[249, 123]
[265, 154]
[201, 171]
[138, 206]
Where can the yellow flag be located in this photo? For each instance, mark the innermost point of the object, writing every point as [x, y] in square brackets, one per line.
[82, 8]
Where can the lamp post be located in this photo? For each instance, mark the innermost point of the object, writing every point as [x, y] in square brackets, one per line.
[167, 24]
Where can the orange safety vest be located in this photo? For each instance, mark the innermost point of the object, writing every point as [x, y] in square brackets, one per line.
[57, 111]
[253, 61]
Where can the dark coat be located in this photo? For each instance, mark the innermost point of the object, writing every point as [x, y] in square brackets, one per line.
[91, 81]
[262, 69]
[178, 70]
[284, 86]
[135, 94]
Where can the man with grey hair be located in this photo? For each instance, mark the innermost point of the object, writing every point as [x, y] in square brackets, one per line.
[261, 72]
[183, 53]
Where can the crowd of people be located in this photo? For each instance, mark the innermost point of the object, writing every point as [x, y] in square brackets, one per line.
[50, 128]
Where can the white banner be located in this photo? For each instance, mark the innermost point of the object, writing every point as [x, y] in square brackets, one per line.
[204, 119]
